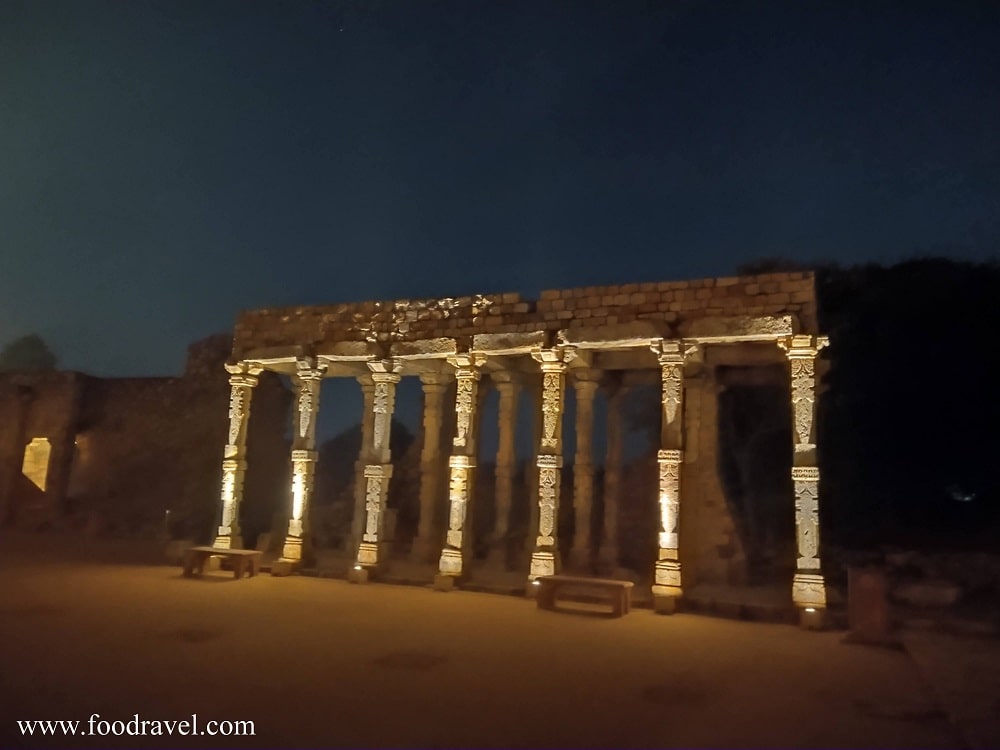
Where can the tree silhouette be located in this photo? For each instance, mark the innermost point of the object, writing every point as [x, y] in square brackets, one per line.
[27, 354]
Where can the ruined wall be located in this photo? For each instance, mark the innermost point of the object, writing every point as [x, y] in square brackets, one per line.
[37, 405]
[125, 450]
[676, 304]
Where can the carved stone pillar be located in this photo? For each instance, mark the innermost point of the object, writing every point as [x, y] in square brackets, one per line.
[367, 427]
[545, 556]
[307, 380]
[508, 386]
[242, 379]
[585, 382]
[378, 469]
[425, 545]
[608, 549]
[460, 467]
[667, 575]
[808, 587]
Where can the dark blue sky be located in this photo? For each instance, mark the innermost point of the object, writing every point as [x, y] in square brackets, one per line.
[165, 164]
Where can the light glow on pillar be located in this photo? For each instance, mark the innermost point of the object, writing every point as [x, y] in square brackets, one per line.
[298, 495]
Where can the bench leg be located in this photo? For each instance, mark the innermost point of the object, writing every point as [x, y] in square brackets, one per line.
[238, 565]
[254, 565]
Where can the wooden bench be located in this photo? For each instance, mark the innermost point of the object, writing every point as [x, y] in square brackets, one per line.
[618, 592]
[244, 560]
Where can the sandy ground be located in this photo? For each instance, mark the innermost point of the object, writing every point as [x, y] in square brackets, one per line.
[322, 663]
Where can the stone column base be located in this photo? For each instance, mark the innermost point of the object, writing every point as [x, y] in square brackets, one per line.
[283, 567]
[809, 590]
[812, 618]
[228, 541]
[357, 574]
[542, 564]
[450, 563]
[292, 549]
[444, 582]
[665, 599]
[368, 554]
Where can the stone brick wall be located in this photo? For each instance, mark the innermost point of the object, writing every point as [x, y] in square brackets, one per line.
[124, 450]
[43, 405]
[673, 303]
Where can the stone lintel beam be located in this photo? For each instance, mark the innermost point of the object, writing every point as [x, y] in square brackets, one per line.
[498, 344]
[275, 355]
[639, 333]
[357, 351]
[727, 329]
[438, 348]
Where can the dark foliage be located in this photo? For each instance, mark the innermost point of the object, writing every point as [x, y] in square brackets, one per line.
[908, 426]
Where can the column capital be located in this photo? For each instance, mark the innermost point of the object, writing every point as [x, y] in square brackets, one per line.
[383, 368]
[243, 367]
[554, 359]
[803, 346]
[307, 368]
[467, 365]
[244, 381]
[243, 373]
[365, 380]
[672, 351]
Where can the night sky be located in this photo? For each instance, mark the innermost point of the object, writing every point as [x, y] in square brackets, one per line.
[165, 164]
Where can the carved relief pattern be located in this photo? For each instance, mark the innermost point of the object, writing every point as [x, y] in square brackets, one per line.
[803, 396]
[373, 497]
[307, 401]
[463, 408]
[542, 564]
[669, 498]
[228, 495]
[237, 401]
[668, 573]
[808, 590]
[672, 391]
[457, 497]
[806, 480]
[299, 472]
[551, 393]
[548, 478]
[382, 407]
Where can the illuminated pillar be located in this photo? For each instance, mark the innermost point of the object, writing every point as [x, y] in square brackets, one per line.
[434, 385]
[367, 427]
[667, 574]
[585, 382]
[544, 557]
[608, 549]
[378, 470]
[460, 467]
[808, 587]
[307, 380]
[242, 379]
[506, 464]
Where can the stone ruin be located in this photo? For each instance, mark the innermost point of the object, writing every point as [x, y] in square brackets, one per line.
[687, 337]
